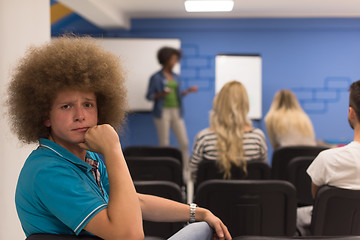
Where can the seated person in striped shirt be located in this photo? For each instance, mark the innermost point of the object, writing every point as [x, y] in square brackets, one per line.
[68, 95]
[231, 138]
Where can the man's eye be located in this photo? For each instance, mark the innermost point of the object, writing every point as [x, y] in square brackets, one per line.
[88, 105]
[65, 107]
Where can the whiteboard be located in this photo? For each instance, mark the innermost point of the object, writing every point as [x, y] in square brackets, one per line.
[138, 57]
[245, 69]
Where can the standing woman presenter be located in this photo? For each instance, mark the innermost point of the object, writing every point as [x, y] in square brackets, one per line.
[165, 90]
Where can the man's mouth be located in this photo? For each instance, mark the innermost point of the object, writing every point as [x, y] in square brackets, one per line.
[83, 129]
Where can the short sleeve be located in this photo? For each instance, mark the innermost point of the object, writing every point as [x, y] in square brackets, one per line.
[197, 154]
[153, 87]
[318, 170]
[69, 196]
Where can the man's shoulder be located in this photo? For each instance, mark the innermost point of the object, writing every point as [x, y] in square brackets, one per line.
[44, 161]
[42, 154]
[342, 151]
[331, 151]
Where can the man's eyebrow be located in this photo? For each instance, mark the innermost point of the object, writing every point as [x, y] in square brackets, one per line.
[71, 101]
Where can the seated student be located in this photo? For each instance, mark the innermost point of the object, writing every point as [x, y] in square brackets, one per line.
[286, 122]
[338, 167]
[68, 95]
[230, 139]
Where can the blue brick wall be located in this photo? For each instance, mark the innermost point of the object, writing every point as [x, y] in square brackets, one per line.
[318, 100]
[316, 58]
[196, 69]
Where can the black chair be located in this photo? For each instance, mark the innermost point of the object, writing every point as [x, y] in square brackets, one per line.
[302, 237]
[47, 236]
[168, 190]
[153, 151]
[155, 168]
[282, 156]
[255, 170]
[251, 207]
[336, 212]
[300, 179]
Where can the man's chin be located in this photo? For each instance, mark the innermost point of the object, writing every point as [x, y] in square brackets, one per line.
[81, 141]
[78, 140]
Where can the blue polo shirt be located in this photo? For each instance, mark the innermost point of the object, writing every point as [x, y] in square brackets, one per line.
[57, 192]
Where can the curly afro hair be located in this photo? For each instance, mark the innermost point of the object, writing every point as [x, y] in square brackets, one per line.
[164, 54]
[67, 62]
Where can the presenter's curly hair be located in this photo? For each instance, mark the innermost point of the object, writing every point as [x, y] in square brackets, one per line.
[164, 54]
[67, 62]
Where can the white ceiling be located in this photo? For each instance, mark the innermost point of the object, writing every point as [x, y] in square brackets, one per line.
[117, 13]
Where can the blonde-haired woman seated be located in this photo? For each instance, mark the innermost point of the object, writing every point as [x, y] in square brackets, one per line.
[231, 139]
[286, 122]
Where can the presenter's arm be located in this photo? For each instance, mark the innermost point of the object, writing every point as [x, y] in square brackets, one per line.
[122, 218]
[153, 92]
[163, 210]
[189, 90]
[160, 95]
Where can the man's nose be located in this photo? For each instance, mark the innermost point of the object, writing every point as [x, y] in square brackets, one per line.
[79, 114]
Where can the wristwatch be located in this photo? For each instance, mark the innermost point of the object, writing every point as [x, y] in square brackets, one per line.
[192, 212]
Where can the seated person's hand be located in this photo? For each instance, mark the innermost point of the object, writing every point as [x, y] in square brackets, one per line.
[220, 230]
[101, 138]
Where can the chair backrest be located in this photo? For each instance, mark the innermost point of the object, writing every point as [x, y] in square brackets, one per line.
[282, 156]
[155, 168]
[168, 190]
[297, 237]
[336, 212]
[251, 207]
[300, 179]
[48, 236]
[258, 170]
[208, 169]
[153, 151]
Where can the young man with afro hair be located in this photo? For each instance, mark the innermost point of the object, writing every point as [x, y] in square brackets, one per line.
[69, 96]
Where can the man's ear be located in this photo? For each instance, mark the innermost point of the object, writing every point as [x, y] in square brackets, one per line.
[352, 114]
[47, 123]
